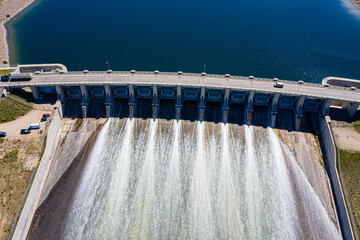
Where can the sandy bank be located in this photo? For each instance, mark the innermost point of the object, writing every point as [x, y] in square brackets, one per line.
[356, 3]
[12, 8]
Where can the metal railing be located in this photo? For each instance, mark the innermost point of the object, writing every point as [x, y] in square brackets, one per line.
[191, 74]
[208, 76]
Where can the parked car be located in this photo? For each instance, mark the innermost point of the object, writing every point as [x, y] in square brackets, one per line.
[43, 119]
[46, 115]
[34, 126]
[2, 134]
[25, 131]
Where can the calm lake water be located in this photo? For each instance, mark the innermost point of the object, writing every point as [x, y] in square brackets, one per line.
[288, 39]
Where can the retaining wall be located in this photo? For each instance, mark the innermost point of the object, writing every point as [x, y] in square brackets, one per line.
[329, 154]
[30, 204]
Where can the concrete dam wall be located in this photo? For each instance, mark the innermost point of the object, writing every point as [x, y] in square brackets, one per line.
[156, 178]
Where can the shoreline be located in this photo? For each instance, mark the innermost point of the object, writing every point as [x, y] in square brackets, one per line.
[356, 3]
[12, 7]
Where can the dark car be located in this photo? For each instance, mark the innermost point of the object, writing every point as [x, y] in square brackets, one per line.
[2, 134]
[25, 131]
[43, 119]
[5, 78]
[46, 115]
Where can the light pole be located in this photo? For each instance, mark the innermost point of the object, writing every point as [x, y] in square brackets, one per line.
[108, 63]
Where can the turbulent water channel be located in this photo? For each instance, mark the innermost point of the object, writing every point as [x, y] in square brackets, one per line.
[147, 179]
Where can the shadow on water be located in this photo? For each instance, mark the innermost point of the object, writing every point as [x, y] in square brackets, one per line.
[120, 108]
[167, 109]
[310, 123]
[190, 110]
[144, 108]
[72, 108]
[96, 108]
[285, 119]
[260, 116]
[236, 114]
[213, 112]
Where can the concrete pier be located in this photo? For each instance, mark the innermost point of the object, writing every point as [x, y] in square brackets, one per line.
[178, 103]
[274, 111]
[249, 107]
[225, 108]
[325, 108]
[131, 101]
[155, 104]
[108, 101]
[84, 100]
[299, 112]
[35, 91]
[352, 108]
[60, 93]
[202, 105]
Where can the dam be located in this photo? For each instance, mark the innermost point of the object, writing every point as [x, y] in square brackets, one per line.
[173, 156]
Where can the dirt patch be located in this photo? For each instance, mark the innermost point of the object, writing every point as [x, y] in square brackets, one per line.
[346, 136]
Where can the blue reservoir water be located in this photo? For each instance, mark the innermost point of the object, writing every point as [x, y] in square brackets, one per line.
[288, 39]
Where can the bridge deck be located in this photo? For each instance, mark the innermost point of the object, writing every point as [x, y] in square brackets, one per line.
[191, 80]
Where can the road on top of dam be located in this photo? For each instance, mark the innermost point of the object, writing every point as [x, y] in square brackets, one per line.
[191, 80]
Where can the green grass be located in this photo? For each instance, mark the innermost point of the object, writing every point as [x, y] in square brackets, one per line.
[11, 110]
[350, 169]
[32, 148]
[11, 156]
[5, 71]
[357, 126]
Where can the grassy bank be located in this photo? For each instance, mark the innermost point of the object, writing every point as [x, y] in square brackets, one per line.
[13, 182]
[357, 126]
[5, 71]
[350, 168]
[11, 109]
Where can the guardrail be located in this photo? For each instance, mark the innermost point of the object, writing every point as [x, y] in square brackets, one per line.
[172, 74]
[194, 75]
[283, 92]
[188, 74]
[1, 92]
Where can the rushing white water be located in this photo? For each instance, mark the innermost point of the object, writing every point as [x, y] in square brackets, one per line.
[149, 179]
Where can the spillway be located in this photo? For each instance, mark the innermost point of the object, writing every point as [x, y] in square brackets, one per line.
[158, 179]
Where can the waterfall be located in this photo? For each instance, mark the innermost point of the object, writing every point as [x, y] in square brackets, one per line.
[228, 211]
[145, 191]
[117, 197]
[157, 179]
[172, 190]
[200, 214]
